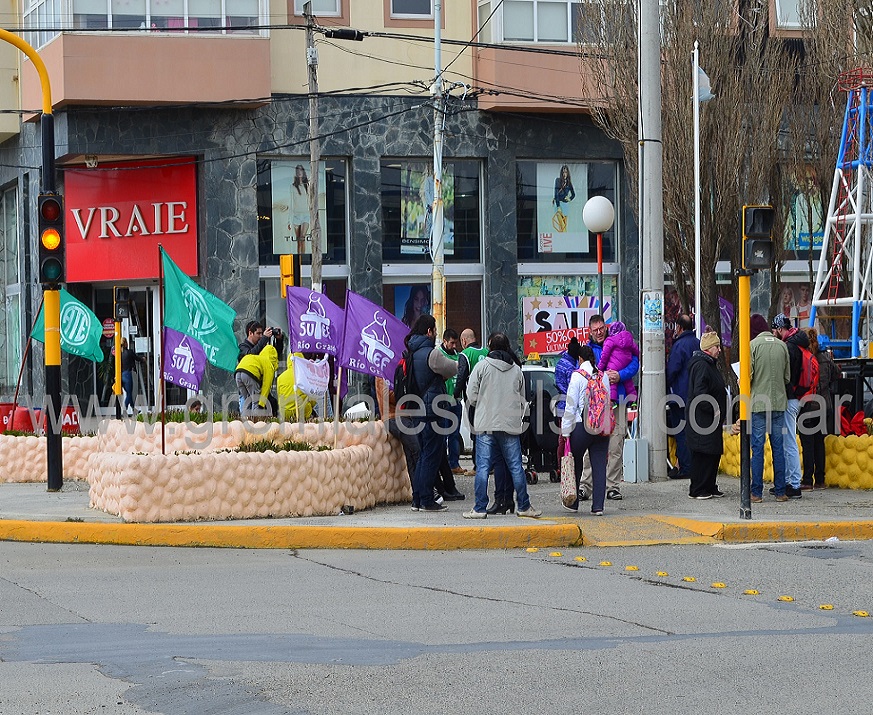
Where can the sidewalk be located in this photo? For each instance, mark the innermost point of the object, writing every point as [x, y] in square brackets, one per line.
[650, 513]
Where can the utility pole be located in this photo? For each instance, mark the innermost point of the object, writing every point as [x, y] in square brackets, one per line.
[438, 276]
[314, 148]
[651, 212]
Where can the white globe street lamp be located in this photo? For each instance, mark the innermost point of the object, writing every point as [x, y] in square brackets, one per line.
[598, 215]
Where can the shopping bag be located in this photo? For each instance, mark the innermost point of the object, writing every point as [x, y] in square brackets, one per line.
[568, 477]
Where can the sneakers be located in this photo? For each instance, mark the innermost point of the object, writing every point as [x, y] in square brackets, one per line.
[702, 496]
[574, 509]
[473, 514]
[415, 507]
[597, 513]
[583, 495]
[782, 497]
[458, 470]
[437, 497]
[433, 507]
[530, 512]
[613, 494]
[717, 494]
[454, 496]
[756, 500]
[793, 493]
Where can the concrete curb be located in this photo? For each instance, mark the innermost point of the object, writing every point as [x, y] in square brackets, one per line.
[775, 531]
[294, 537]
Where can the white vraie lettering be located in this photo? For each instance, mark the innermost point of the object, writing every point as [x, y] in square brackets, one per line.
[83, 230]
[105, 222]
[137, 223]
[172, 216]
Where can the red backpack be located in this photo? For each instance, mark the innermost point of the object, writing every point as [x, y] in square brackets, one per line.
[807, 383]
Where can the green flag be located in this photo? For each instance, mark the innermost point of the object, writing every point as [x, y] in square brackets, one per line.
[80, 329]
[191, 310]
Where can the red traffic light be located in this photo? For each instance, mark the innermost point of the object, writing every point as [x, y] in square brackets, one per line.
[50, 209]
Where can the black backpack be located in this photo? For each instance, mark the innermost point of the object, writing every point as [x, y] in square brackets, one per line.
[404, 379]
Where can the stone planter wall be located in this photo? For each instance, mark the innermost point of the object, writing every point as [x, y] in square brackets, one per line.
[228, 485]
[130, 478]
[23, 459]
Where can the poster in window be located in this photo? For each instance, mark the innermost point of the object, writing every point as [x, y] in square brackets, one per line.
[410, 302]
[804, 216]
[562, 190]
[416, 208]
[290, 180]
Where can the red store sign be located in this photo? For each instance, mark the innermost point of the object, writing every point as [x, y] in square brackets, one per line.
[117, 214]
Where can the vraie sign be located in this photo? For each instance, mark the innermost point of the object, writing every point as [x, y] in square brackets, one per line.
[117, 214]
[157, 219]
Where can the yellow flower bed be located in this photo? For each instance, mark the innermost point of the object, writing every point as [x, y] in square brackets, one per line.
[848, 461]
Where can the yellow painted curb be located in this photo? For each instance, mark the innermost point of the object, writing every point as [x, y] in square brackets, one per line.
[704, 528]
[293, 537]
[797, 531]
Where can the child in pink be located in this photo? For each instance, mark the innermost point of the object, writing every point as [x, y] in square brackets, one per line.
[619, 349]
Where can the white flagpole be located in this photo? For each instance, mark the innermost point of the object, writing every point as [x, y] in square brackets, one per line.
[698, 304]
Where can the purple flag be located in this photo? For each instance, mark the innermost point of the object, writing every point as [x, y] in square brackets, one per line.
[184, 359]
[314, 322]
[373, 338]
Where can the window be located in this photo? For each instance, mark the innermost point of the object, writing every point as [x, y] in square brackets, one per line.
[552, 21]
[155, 15]
[283, 209]
[788, 15]
[551, 195]
[322, 8]
[407, 197]
[10, 290]
[417, 9]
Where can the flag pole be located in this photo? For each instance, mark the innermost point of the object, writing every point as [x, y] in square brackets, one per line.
[339, 382]
[162, 392]
[698, 305]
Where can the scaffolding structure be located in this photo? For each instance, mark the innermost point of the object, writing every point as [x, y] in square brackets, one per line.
[844, 280]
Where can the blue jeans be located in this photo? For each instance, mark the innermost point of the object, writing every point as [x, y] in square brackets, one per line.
[454, 438]
[488, 446]
[759, 432]
[127, 386]
[432, 446]
[789, 445]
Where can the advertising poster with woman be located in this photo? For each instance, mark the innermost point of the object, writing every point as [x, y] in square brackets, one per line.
[290, 180]
[562, 190]
[411, 302]
[416, 208]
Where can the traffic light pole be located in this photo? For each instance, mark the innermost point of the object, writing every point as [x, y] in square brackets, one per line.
[51, 295]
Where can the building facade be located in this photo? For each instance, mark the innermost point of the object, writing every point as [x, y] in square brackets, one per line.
[186, 124]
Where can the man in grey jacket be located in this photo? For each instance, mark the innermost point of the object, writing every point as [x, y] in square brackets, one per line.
[496, 390]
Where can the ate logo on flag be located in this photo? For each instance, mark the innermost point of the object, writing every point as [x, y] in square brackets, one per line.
[76, 324]
[198, 310]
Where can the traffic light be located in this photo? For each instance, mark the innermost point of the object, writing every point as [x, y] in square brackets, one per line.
[52, 262]
[122, 303]
[757, 237]
[286, 270]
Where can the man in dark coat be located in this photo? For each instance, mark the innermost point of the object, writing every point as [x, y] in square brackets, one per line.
[684, 346]
[707, 411]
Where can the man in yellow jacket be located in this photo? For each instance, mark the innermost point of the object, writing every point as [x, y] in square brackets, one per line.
[254, 380]
[291, 398]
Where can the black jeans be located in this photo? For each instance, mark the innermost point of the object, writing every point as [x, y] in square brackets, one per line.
[704, 470]
[597, 447]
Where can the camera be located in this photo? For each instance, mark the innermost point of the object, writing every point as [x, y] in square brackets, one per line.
[277, 332]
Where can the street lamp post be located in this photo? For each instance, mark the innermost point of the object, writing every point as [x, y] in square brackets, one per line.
[598, 215]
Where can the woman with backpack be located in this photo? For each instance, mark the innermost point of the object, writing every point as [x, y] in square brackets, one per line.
[817, 415]
[587, 415]
[707, 411]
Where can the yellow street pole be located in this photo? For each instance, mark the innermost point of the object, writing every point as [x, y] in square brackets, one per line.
[51, 295]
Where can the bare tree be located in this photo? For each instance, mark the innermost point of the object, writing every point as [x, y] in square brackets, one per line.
[774, 102]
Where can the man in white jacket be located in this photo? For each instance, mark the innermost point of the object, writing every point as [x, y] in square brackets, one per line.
[496, 390]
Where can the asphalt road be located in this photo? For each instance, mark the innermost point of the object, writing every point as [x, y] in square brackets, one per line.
[99, 629]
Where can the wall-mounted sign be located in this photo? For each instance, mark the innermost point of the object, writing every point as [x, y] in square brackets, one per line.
[117, 214]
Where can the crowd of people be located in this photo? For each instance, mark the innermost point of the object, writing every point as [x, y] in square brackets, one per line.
[793, 384]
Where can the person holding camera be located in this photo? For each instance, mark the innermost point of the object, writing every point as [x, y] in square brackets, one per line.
[257, 338]
[254, 380]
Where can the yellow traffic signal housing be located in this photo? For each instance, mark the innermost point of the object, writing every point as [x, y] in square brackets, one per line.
[286, 269]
